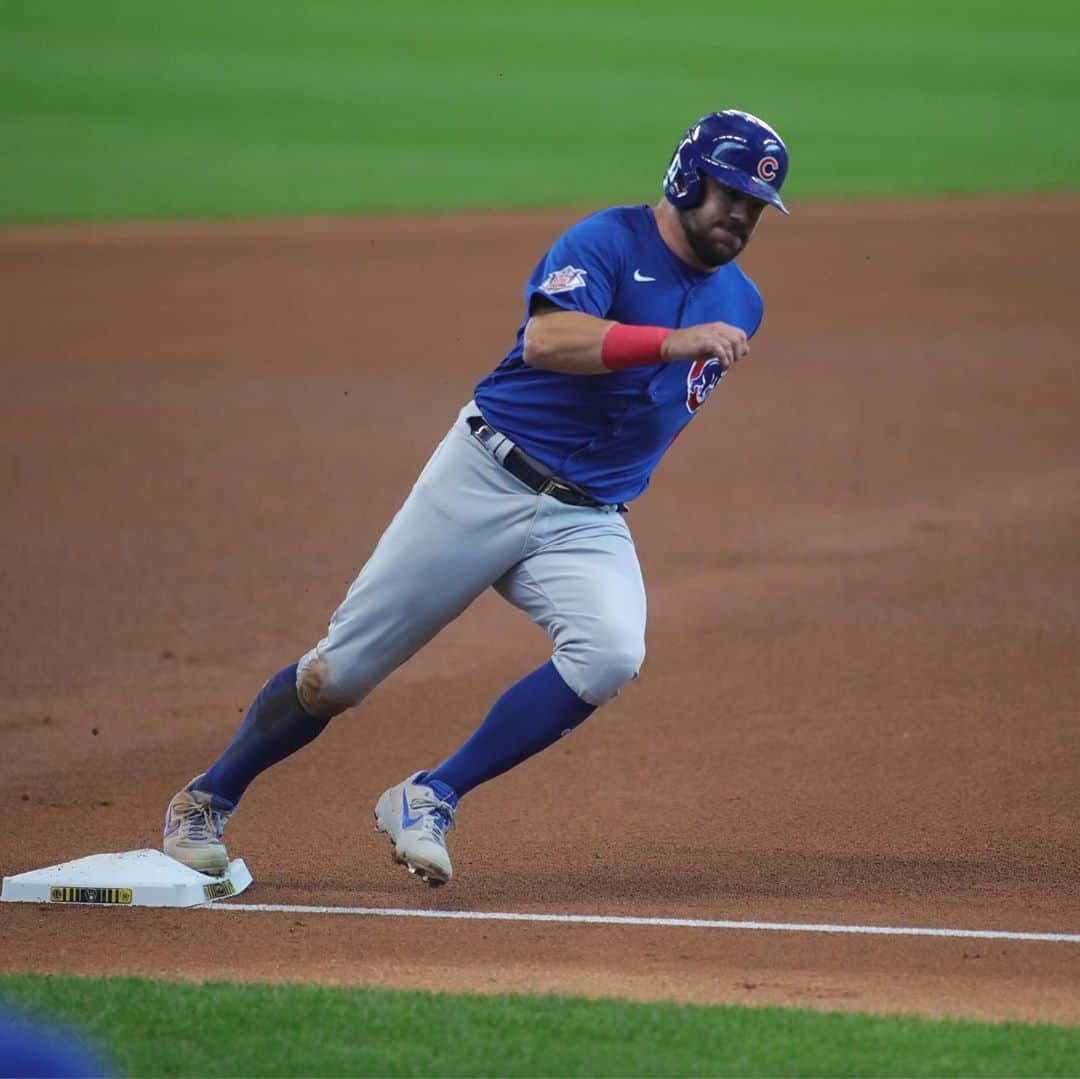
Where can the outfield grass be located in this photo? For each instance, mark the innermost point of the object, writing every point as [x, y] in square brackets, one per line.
[116, 109]
[160, 1028]
[123, 109]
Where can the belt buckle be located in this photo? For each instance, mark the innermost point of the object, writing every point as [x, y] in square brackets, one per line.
[484, 434]
[555, 488]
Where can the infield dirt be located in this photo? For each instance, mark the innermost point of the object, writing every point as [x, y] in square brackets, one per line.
[863, 565]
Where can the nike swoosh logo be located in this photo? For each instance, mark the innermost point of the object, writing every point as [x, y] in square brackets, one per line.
[406, 820]
[639, 276]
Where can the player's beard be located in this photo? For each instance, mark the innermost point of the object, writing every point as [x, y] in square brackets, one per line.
[705, 248]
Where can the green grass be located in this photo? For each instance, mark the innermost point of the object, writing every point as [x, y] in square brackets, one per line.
[160, 1028]
[124, 109]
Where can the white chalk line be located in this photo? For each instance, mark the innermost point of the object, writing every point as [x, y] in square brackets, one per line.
[672, 923]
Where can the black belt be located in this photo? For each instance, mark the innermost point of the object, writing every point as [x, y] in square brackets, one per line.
[532, 473]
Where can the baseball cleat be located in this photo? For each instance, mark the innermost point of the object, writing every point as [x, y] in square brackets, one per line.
[416, 816]
[194, 823]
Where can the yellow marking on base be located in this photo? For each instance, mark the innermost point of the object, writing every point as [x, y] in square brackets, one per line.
[220, 890]
[111, 896]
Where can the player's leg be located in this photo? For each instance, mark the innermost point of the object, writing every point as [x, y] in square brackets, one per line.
[583, 585]
[578, 576]
[581, 581]
[463, 524]
[275, 726]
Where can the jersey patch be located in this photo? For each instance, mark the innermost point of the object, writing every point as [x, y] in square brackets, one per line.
[701, 380]
[565, 280]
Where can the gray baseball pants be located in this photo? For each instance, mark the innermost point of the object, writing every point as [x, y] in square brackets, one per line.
[469, 524]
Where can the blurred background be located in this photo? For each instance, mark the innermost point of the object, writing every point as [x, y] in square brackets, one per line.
[125, 475]
[121, 109]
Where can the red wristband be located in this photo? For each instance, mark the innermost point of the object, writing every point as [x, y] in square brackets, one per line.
[632, 346]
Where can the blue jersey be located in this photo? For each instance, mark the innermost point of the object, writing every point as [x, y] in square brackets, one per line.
[606, 433]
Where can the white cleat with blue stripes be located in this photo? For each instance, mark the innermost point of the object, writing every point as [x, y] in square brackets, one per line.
[416, 816]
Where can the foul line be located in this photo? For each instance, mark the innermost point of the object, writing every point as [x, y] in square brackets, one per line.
[675, 923]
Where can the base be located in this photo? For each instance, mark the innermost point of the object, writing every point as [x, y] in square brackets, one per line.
[134, 878]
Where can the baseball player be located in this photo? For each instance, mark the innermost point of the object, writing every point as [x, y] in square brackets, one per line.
[631, 320]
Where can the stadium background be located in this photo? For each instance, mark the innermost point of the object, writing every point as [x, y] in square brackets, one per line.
[907, 437]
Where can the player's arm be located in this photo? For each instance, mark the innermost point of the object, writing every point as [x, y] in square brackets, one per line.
[575, 343]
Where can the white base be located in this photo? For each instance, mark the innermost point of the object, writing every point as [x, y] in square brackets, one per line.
[134, 878]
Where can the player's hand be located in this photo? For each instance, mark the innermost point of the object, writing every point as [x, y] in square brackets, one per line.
[706, 341]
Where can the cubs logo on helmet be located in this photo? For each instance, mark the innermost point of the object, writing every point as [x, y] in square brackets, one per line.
[701, 380]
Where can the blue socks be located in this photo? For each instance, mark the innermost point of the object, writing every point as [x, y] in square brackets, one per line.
[275, 727]
[527, 718]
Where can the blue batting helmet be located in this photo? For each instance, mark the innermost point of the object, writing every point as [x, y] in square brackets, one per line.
[734, 148]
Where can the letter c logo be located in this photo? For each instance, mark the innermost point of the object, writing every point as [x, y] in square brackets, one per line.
[767, 168]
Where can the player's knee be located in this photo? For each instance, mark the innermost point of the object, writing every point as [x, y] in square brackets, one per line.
[621, 666]
[598, 671]
[316, 690]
